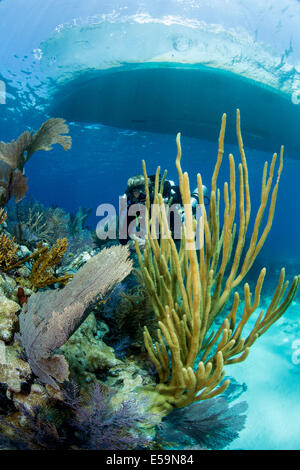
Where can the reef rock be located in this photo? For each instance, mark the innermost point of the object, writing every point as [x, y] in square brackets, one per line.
[128, 378]
[37, 397]
[8, 287]
[87, 354]
[80, 260]
[8, 318]
[14, 372]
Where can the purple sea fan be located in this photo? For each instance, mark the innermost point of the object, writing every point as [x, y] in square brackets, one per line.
[102, 426]
[212, 424]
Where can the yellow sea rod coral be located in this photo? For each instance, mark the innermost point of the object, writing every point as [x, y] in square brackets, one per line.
[189, 289]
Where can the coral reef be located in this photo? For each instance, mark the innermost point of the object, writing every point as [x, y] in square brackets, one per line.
[32, 367]
[80, 421]
[8, 248]
[49, 318]
[31, 223]
[39, 416]
[99, 361]
[87, 355]
[188, 293]
[14, 371]
[45, 223]
[91, 361]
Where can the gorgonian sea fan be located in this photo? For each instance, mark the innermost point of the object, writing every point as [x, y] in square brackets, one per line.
[104, 426]
[212, 424]
[51, 317]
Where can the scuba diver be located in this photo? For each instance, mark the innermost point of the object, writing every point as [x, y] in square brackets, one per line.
[135, 198]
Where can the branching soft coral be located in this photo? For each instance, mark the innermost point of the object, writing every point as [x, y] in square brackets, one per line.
[45, 261]
[15, 154]
[43, 268]
[8, 247]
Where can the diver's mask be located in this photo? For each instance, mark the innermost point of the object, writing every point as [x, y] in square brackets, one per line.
[136, 194]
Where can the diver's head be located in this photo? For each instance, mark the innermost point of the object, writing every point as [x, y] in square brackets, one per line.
[136, 187]
[196, 192]
[195, 196]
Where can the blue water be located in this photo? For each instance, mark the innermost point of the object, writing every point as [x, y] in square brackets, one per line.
[51, 45]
